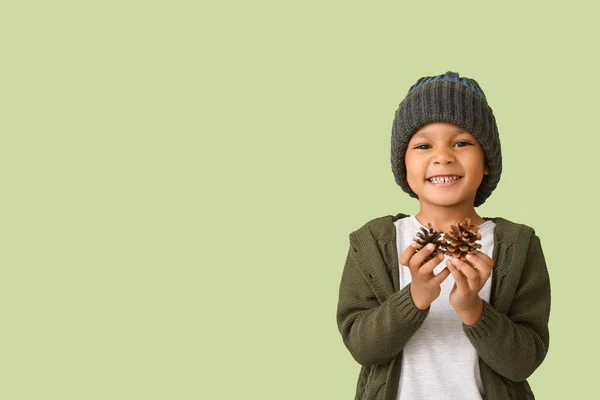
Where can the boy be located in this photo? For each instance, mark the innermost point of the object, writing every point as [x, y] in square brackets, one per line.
[474, 329]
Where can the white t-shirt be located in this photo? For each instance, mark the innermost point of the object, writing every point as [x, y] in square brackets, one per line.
[439, 362]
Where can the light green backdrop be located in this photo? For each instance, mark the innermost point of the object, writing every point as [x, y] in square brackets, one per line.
[179, 180]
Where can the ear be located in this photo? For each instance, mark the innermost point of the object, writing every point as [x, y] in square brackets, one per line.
[486, 170]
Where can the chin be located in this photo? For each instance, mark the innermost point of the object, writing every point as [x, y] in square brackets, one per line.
[444, 200]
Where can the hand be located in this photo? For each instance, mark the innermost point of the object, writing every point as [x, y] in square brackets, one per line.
[469, 278]
[425, 286]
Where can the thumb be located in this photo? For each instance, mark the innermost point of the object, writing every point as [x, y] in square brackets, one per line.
[439, 278]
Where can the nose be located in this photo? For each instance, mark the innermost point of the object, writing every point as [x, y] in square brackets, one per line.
[443, 156]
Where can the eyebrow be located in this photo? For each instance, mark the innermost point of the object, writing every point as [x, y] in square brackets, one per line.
[455, 131]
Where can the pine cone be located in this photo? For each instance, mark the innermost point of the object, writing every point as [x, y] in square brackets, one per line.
[430, 236]
[460, 241]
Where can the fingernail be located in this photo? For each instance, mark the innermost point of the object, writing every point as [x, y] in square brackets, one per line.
[469, 256]
[414, 244]
[430, 246]
[440, 256]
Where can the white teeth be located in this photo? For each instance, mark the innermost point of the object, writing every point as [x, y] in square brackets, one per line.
[444, 179]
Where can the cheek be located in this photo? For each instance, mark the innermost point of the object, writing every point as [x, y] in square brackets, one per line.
[414, 174]
[413, 164]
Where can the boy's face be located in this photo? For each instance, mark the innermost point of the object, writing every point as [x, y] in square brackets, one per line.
[440, 148]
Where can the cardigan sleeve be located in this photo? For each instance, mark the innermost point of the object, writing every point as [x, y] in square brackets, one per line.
[514, 345]
[374, 332]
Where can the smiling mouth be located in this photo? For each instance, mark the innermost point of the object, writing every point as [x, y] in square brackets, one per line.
[444, 182]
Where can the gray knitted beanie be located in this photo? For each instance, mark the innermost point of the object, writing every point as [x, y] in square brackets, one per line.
[459, 101]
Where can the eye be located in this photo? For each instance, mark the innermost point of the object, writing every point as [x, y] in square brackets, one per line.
[420, 147]
[467, 143]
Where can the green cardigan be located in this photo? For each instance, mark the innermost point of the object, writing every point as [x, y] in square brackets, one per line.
[376, 319]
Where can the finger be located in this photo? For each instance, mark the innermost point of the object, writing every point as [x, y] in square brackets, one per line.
[427, 268]
[479, 264]
[409, 258]
[417, 259]
[465, 268]
[407, 254]
[483, 257]
[459, 278]
[441, 277]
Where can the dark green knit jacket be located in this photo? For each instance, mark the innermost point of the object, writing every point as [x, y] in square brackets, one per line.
[376, 319]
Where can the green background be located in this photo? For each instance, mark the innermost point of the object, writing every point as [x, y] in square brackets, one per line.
[179, 180]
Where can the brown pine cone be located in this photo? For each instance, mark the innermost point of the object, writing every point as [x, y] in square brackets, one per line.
[430, 236]
[461, 240]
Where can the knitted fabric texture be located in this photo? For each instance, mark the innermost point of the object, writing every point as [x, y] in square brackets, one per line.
[456, 100]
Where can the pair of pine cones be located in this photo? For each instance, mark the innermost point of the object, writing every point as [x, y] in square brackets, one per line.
[459, 242]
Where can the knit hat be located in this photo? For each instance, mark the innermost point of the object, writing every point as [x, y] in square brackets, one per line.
[456, 100]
